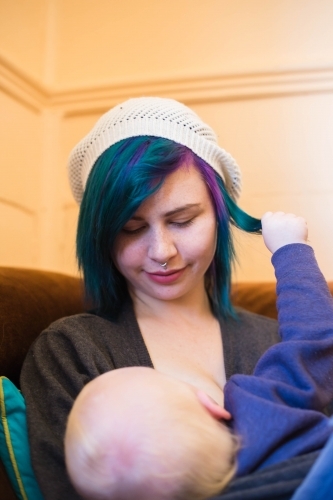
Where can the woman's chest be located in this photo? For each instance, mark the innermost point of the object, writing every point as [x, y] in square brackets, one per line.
[192, 355]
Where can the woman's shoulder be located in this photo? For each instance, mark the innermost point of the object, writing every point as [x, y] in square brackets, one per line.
[249, 324]
[89, 338]
[92, 325]
[79, 327]
[260, 331]
[73, 338]
[85, 320]
[245, 338]
[258, 320]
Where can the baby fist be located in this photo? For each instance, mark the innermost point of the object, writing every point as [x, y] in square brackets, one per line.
[280, 229]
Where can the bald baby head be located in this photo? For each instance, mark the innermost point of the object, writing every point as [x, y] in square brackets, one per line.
[135, 431]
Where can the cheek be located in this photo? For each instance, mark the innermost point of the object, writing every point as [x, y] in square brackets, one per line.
[127, 254]
[204, 237]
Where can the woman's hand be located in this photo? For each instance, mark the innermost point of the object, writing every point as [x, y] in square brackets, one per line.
[280, 229]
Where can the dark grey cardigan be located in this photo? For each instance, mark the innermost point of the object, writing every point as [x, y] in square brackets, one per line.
[74, 350]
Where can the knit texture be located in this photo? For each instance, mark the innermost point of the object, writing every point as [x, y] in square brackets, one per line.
[151, 116]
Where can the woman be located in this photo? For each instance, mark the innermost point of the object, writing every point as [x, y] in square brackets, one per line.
[158, 198]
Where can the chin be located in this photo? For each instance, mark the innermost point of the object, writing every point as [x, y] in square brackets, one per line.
[172, 293]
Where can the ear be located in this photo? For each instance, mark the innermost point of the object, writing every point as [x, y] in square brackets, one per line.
[215, 410]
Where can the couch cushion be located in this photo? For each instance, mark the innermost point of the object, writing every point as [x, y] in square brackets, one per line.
[259, 298]
[29, 301]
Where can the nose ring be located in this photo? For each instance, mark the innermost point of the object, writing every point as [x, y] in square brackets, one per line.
[164, 265]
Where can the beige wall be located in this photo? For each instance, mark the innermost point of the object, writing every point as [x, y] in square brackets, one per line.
[114, 41]
[259, 71]
[20, 180]
[23, 35]
[285, 149]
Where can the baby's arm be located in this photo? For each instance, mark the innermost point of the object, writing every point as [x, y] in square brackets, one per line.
[273, 408]
[305, 313]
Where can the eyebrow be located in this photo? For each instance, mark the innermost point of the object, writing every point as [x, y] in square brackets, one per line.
[183, 208]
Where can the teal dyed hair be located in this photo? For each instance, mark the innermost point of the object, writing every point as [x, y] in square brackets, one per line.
[124, 176]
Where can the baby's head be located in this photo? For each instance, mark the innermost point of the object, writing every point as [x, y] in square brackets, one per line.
[136, 433]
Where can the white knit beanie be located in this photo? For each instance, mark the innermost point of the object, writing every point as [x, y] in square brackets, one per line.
[152, 116]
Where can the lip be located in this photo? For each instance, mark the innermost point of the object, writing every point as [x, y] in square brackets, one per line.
[166, 277]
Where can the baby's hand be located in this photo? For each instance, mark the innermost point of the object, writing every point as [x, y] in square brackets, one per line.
[280, 229]
[216, 411]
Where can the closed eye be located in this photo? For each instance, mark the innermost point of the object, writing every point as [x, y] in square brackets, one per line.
[133, 231]
[138, 230]
[183, 224]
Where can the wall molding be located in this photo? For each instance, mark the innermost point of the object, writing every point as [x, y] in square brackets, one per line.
[78, 100]
[192, 90]
[17, 207]
[22, 87]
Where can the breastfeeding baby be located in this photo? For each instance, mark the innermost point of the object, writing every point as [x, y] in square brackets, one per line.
[136, 433]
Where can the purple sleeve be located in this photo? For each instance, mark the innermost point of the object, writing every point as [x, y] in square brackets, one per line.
[276, 411]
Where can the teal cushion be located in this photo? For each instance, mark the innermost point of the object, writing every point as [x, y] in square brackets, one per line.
[14, 443]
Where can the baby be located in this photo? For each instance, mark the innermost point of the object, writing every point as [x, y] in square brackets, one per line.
[137, 433]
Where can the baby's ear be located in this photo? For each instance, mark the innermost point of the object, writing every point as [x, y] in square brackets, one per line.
[215, 410]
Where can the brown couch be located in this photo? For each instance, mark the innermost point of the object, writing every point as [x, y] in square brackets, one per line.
[30, 300]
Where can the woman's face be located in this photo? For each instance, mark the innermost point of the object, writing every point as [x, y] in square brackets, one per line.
[176, 225]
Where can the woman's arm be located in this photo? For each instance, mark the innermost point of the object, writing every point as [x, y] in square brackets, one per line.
[62, 360]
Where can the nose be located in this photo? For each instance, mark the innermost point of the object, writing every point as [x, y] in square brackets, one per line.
[161, 245]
